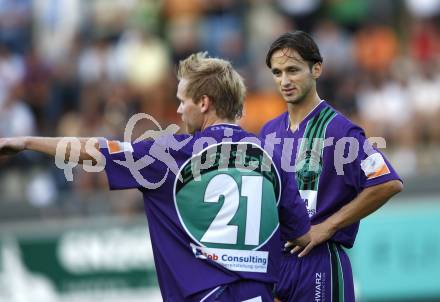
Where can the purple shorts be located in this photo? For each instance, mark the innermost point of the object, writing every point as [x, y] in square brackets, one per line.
[240, 291]
[324, 275]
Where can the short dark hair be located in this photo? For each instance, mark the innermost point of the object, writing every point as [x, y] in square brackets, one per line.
[299, 41]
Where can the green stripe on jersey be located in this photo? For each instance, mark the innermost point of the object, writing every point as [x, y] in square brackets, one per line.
[337, 275]
[311, 150]
[317, 125]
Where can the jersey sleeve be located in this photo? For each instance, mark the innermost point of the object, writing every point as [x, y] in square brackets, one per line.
[369, 167]
[294, 220]
[129, 165]
[146, 164]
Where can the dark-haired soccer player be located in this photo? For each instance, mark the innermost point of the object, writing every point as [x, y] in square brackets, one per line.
[340, 176]
[217, 221]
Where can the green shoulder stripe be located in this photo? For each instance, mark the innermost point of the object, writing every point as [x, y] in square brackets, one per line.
[317, 130]
[310, 153]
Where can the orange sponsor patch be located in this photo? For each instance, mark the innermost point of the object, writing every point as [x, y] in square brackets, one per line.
[117, 147]
[381, 171]
[114, 146]
[374, 166]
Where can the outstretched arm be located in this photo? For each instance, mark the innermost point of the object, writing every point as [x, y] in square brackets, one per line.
[53, 146]
[368, 201]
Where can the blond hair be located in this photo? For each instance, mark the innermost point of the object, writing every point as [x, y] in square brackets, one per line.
[215, 78]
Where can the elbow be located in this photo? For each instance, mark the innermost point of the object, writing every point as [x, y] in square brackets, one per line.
[398, 186]
[394, 187]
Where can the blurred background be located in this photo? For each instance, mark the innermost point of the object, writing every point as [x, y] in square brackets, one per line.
[83, 68]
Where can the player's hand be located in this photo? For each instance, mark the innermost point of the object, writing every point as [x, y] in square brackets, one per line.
[319, 233]
[11, 146]
[299, 243]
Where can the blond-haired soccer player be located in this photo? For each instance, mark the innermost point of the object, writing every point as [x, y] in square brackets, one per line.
[216, 202]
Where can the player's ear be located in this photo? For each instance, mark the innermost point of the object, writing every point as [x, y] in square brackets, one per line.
[316, 70]
[205, 103]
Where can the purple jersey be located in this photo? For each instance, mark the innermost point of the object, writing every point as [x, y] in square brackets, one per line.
[218, 220]
[332, 162]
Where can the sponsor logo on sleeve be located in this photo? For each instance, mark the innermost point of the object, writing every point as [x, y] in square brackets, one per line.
[374, 166]
[118, 147]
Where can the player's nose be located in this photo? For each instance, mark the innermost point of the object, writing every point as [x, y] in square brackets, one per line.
[179, 109]
[285, 81]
